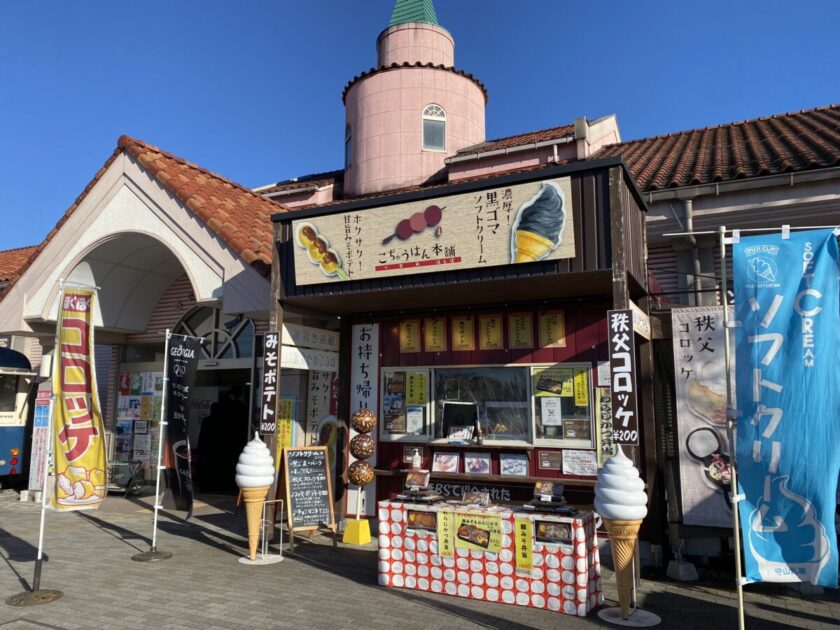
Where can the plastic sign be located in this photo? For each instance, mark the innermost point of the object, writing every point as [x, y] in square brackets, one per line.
[623, 377]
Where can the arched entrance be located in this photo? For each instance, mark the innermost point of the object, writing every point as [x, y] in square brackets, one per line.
[220, 409]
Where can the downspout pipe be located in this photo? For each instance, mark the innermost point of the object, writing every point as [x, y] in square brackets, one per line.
[688, 208]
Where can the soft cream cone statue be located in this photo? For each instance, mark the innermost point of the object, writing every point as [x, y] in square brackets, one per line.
[621, 501]
[254, 476]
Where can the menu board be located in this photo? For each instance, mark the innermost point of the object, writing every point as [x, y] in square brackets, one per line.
[308, 488]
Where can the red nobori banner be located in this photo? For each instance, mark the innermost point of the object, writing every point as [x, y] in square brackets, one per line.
[623, 376]
[79, 439]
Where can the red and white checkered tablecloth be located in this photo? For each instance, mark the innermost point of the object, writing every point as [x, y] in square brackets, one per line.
[564, 578]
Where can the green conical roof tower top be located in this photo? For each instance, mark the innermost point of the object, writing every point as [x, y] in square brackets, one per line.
[408, 11]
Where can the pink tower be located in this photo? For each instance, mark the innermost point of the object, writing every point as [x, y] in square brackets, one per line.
[413, 110]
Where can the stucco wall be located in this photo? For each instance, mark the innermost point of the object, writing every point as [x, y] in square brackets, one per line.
[385, 111]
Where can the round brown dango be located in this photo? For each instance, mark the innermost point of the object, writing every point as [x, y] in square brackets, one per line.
[360, 473]
[329, 263]
[307, 235]
[362, 446]
[363, 420]
[321, 246]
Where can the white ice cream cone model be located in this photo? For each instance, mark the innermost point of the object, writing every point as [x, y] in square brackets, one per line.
[621, 501]
[254, 476]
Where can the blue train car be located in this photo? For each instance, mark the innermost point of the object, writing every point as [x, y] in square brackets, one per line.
[16, 382]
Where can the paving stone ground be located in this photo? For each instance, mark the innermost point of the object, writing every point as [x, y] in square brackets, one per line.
[204, 587]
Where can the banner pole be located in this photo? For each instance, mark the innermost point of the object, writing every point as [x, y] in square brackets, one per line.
[36, 595]
[154, 553]
[730, 430]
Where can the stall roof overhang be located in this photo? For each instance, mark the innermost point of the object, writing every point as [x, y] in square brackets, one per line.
[11, 360]
[441, 190]
[461, 295]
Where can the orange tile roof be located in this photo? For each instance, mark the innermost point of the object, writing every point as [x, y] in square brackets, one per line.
[238, 216]
[12, 260]
[784, 143]
[530, 137]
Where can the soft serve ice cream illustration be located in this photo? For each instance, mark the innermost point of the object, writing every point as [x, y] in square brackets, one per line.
[539, 225]
[621, 501]
[254, 476]
[788, 523]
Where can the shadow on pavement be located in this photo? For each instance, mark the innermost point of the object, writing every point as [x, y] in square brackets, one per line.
[17, 550]
[679, 611]
[122, 534]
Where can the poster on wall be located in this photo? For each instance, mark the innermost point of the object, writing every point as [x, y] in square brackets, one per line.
[700, 389]
[552, 329]
[490, 333]
[463, 333]
[520, 223]
[520, 330]
[364, 393]
[434, 330]
[623, 376]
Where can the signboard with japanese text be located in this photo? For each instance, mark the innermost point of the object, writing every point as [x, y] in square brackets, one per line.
[523, 528]
[364, 393]
[410, 335]
[490, 333]
[78, 434]
[40, 437]
[787, 302]
[552, 329]
[294, 358]
[434, 330]
[317, 404]
[520, 330]
[519, 223]
[623, 376]
[700, 391]
[268, 412]
[308, 488]
[463, 333]
[309, 337]
[604, 444]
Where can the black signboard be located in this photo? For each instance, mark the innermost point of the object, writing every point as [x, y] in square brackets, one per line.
[181, 363]
[308, 488]
[268, 412]
[623, 377]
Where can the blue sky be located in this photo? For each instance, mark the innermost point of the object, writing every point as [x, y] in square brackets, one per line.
[252, 90]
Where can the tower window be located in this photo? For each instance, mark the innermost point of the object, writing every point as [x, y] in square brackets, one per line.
[348, 146]
[434, 128]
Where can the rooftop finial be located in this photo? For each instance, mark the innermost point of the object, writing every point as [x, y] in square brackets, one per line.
[407, 11]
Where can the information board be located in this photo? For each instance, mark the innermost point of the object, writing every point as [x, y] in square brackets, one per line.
[308, 488]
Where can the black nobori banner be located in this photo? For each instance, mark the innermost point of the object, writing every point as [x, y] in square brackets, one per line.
[623, 377]
[182, 360]
[268, 413]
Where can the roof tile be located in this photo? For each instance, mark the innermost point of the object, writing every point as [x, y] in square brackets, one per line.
[796, 141]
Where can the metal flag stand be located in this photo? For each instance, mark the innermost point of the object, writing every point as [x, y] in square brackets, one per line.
[731, 411]
[154, 554]
[265, 557]
[638, 618]
[37, 596]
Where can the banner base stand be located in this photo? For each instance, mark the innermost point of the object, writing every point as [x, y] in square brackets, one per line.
[34, 598]
[153, 555]
[356, 532]
[638, 618]
[263, 559]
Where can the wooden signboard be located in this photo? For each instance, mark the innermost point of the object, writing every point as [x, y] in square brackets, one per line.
[309, 497]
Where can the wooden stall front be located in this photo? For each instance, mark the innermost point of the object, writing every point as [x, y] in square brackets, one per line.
[449, 318]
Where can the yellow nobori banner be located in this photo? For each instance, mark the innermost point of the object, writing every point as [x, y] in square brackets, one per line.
[78, 436]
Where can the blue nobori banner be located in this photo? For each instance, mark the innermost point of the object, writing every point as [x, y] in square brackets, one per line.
[788, 389]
